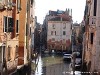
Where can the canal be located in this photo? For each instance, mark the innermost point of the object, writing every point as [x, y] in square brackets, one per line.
[50, 65]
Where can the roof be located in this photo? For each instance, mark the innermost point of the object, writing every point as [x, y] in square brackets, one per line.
[55, 13]
[76, 24]
[61, 18]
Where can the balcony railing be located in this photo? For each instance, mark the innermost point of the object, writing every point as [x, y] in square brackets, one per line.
[92, 20]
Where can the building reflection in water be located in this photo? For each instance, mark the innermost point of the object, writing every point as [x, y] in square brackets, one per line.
[39, 67]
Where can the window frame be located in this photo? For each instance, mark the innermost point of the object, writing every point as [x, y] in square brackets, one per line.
[17, 26]
[55, 33]
[91, 38]
[64, 32]
[18, 6]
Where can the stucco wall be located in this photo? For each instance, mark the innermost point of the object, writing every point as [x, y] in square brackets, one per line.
[59, 28]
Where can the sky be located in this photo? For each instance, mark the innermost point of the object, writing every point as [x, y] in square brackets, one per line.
[43, 6]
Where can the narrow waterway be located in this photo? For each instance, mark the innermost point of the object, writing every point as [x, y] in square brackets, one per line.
[51, 65]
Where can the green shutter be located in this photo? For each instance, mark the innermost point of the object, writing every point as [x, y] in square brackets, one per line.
[10, 24]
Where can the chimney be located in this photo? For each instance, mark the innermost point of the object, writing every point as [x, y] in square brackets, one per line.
[68, 11]
[71, 12]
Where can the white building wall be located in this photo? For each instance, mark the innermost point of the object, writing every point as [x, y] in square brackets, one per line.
[59, 30]
[59, 25]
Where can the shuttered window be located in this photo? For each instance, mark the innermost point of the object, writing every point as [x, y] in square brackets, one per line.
[5, 24]
[17, 26]
[10, 24]
[95, 7]
[55, 32]
[64, 33]
[26, 29]
[91, 39]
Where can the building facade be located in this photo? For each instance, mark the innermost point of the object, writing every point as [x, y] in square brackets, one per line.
[9, 18]
[37, 37]
[16, 25]
[26, 30]
[91, 36]
[59, 30]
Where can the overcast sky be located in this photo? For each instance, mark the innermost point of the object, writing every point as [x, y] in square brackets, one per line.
[43, 6]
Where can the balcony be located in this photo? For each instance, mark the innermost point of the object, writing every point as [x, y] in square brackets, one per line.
[92, 20]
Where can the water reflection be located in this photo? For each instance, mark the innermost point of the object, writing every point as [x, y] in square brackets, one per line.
[39, 67]
[51, 65]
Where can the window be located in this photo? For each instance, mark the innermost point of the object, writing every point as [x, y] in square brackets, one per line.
[64, 33]
[10, 24]
[9, 49]
[91, 38]
[55, 32]
[32, 2]
[51, 32]
[53, 39]
[5, 24]
[95, 7]
[26, 30]
[53, 26]
[17, 26]
[18, 6]
[16, 51]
